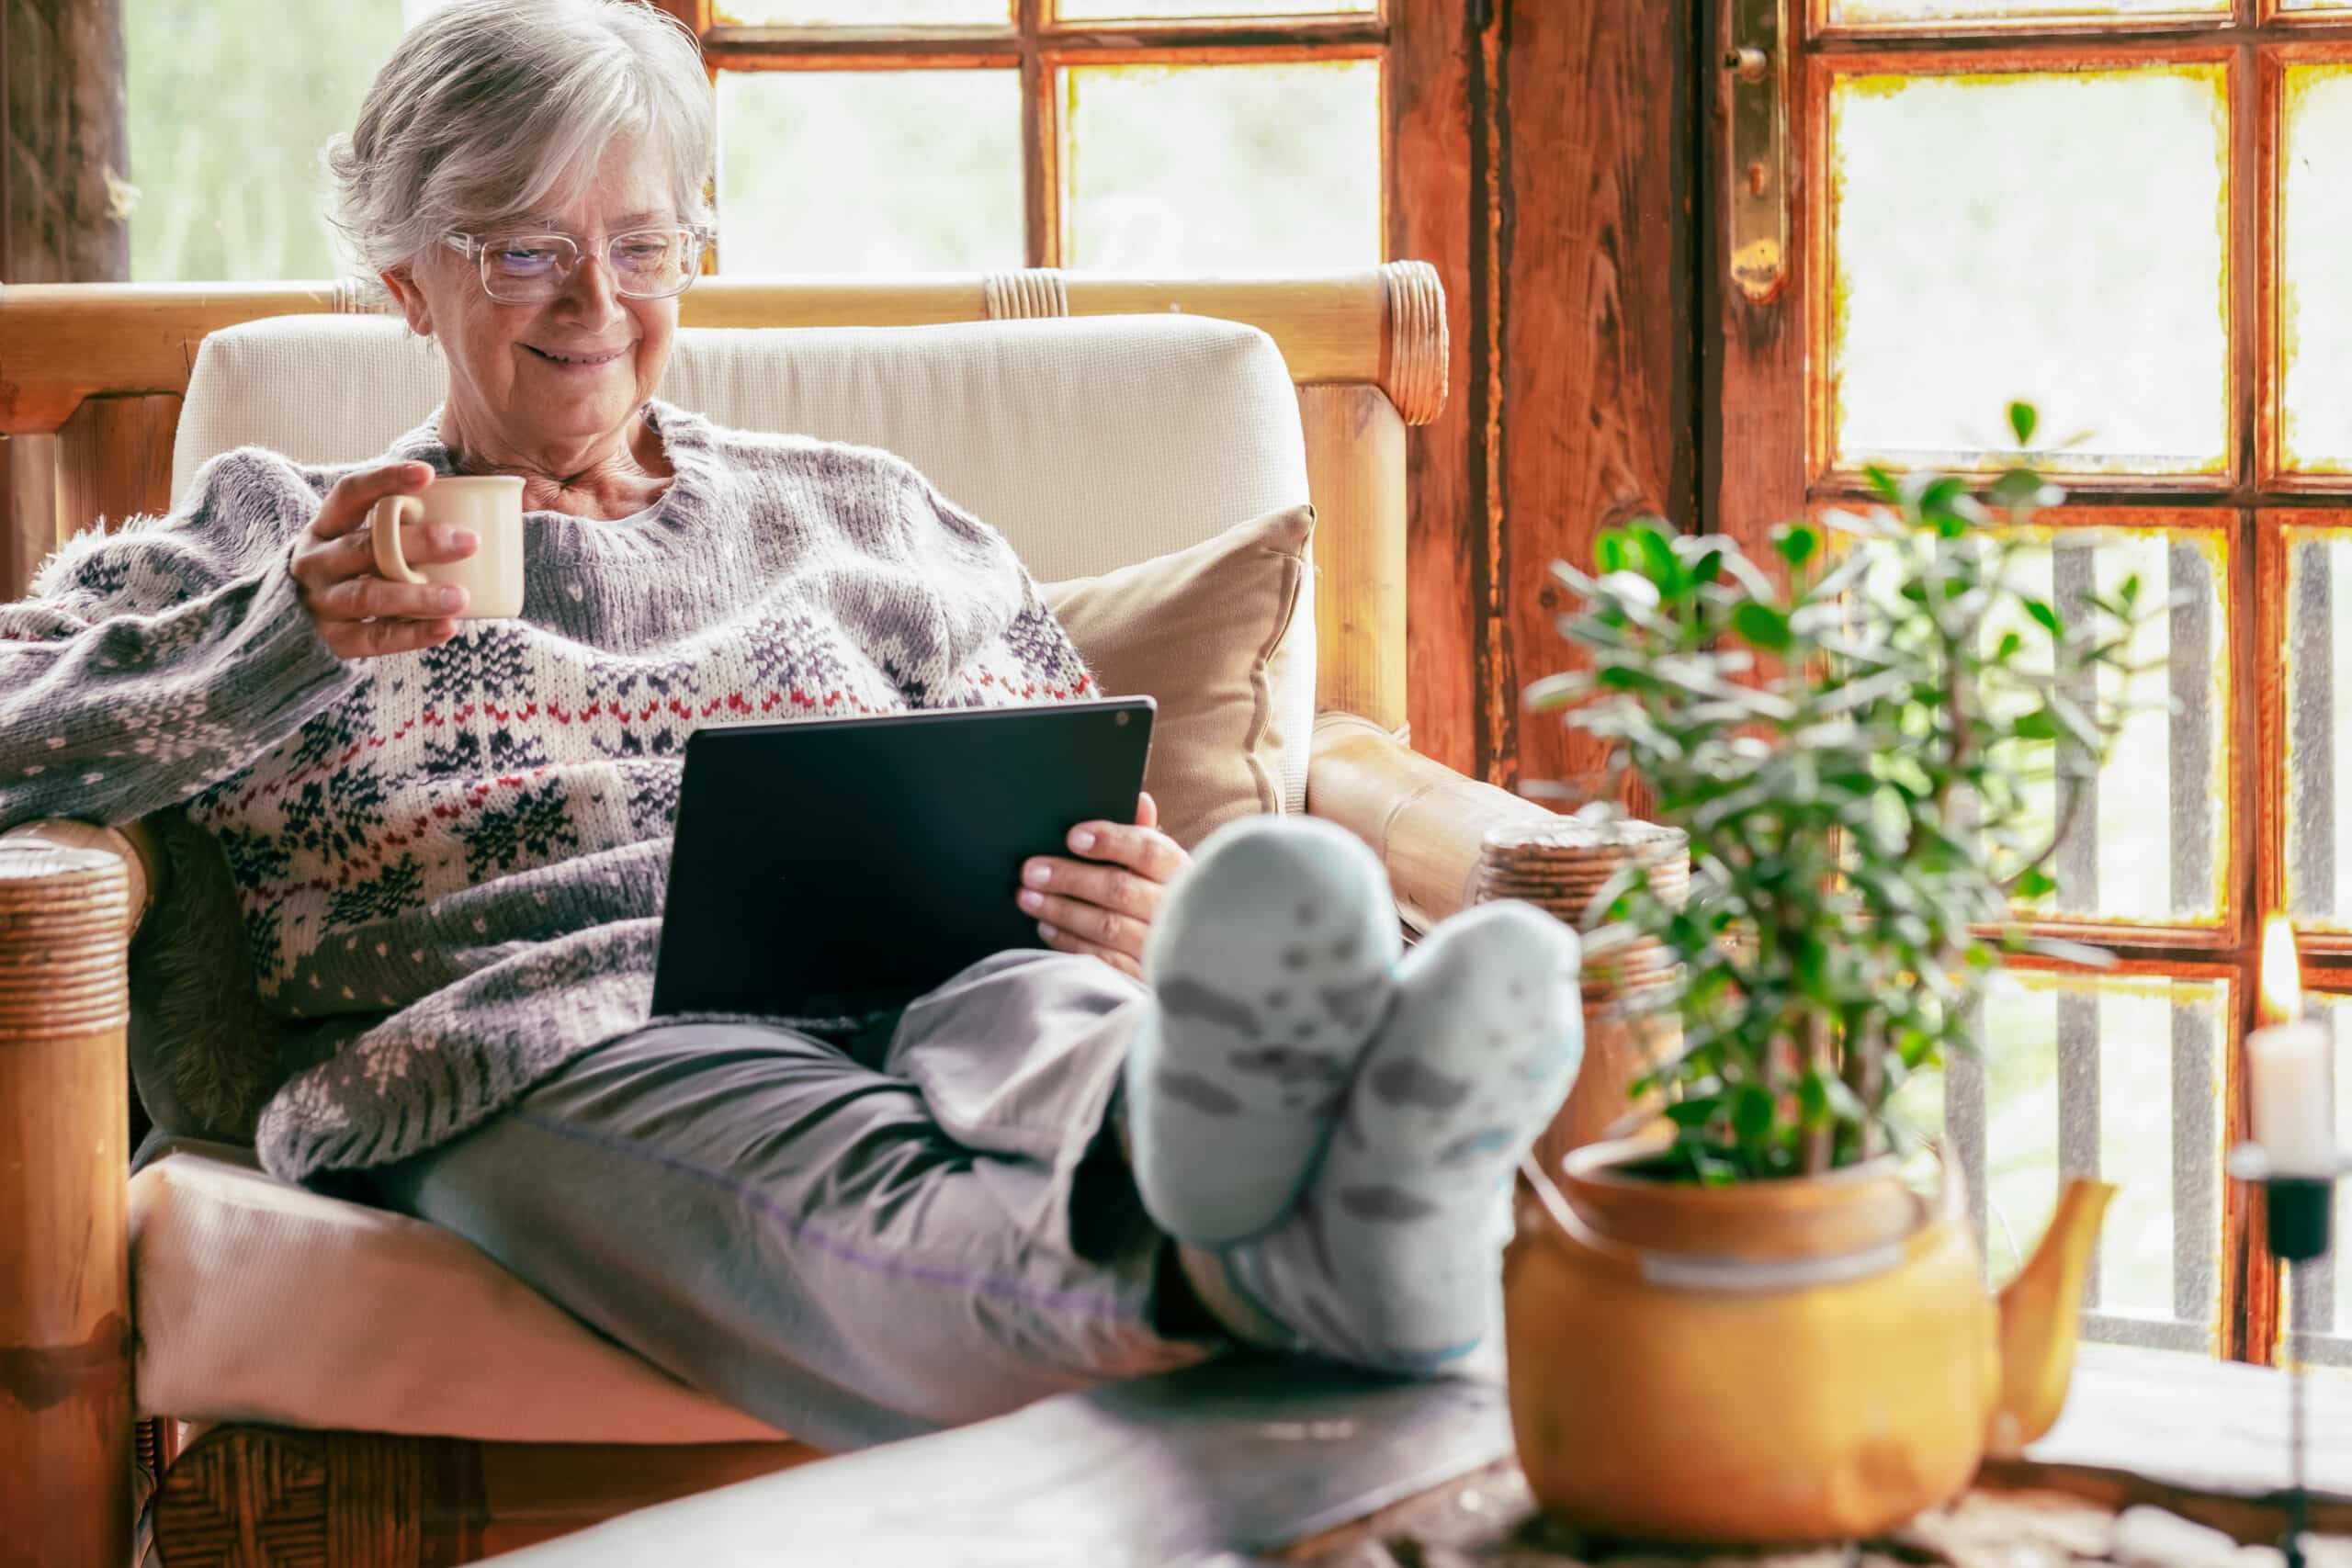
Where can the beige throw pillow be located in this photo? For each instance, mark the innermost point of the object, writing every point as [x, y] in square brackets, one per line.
[1201, 629]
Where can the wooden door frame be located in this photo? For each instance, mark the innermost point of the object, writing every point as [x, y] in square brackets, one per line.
[1548, 160]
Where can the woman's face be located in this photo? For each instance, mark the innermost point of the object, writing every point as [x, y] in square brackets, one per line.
[554, 376]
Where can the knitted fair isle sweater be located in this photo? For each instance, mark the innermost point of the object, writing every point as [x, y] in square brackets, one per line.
[451, 863]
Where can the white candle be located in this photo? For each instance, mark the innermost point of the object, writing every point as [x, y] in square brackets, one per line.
[2290, 1068]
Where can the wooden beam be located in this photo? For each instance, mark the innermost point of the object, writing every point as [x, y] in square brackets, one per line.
[696, 15]
[58, 347]
[113, 461]
[65, 142]
[1355, 470]
[65, 1331]
[1598, 406]
[1434, 206]
[28, 510]
[380, 1501]
[1003, 45]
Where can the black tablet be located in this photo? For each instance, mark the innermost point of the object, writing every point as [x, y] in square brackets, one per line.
[833, 867]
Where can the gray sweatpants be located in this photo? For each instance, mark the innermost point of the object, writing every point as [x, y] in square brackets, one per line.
[856, 1243]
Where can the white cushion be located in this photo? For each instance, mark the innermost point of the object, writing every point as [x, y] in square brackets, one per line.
[260, 1301]
[1090, 442]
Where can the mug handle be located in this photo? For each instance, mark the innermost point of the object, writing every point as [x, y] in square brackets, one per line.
[384, 521]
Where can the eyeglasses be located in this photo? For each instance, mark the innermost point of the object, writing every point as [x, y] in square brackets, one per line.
[529, 269]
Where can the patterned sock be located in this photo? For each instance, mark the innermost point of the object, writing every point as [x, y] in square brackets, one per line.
[1391, 1258]
[1271, 964]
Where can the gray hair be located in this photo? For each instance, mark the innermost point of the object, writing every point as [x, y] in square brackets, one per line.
[491, 111]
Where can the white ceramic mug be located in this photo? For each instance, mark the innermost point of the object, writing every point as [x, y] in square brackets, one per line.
[490, 504]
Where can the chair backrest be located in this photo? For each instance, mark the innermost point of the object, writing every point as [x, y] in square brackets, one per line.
[104, 368]
[1090, 442]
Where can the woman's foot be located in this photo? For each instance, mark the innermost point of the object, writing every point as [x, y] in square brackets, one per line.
[1390, 1260]
[1271, 966]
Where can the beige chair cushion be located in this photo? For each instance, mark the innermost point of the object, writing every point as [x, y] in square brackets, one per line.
[259, 1301]
[1205, 631]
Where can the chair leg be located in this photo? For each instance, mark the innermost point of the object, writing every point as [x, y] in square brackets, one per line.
[65, 1330]
[270, 1497]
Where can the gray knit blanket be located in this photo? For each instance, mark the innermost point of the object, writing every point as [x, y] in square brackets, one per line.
[450, 863]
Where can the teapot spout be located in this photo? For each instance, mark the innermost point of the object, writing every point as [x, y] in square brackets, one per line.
[2039, 1314]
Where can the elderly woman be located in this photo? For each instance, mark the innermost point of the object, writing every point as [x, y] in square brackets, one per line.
[1214, 1106]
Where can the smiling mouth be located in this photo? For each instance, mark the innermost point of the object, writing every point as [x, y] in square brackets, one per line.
[579, 359]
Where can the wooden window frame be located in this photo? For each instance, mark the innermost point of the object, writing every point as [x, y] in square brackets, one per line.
[1040, 48]
[1777, 462]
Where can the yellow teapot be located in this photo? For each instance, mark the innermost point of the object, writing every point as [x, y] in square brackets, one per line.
[1772, 1361]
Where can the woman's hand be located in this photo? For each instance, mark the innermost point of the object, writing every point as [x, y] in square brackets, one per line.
[360, 613]
[1104, 909]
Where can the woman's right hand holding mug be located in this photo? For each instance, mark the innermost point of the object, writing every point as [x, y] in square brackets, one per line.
[360, 613]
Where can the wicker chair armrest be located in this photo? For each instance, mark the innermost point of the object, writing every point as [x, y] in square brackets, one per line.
[1424, 820]
[143, 857]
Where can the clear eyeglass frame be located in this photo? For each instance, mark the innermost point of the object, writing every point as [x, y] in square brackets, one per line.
[566, 251]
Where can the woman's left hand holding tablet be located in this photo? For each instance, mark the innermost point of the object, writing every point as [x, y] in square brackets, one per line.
[1102, 905]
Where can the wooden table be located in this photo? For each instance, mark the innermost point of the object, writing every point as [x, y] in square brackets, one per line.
[1255, 1461]
[2199, 1439]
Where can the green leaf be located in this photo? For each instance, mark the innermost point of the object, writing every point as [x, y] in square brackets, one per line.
[2011, 644]
[2018, 486]
[1796, 544]
[2040, 611]
[1752, 1114]
[1938, 499]
[1761, 624]
[2022, 419]
[1658, 562]
[2035, 726]
[1882, 482]
[2035, 882]
[1609, 550]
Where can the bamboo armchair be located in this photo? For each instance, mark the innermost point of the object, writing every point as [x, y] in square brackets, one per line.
[104, 367]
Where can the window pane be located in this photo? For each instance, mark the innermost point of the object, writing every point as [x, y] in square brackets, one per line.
[869, 170]
[2024, 266]
[2114, 1077]
[1154, 10]
[1852, 13]
[2315, 228]
[1171, 167]
[2318, 686]
[228, 181]
[2149, 844]
[862, 13]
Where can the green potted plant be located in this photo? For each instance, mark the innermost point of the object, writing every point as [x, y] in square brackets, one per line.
[1744, 1325]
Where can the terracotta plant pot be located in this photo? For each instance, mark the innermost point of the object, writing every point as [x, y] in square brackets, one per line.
[1771, 1361]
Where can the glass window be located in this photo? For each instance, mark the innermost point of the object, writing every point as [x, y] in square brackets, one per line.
[865, 13]
[2315, 297]
[228, 110]
[869, 170]
[1191, 168]
[1860, 12]
[2148, 841]
[2067, 251]
[2120, 1077]
[1202, 10]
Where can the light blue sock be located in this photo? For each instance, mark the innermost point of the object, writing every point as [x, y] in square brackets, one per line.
[1392, 1258]
[1270, 963]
